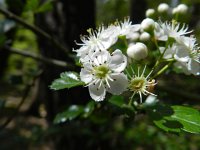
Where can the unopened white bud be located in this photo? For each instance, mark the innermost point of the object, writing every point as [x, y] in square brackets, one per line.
[182, 8]
[163, 8]
[174, 10]
[137, 51]
[145, 37]
[134, 36]
[148, 24]
[150, 13]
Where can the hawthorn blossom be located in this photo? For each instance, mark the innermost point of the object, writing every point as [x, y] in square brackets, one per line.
[170, 29]
[100, 39]
[103, 72]
[188, 55]
[128, 29]
[186, 52]
[139, 84]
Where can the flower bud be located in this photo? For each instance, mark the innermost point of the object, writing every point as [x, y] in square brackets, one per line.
[134, 36]
[137, 51]
[182, 8]
[145, 37]
[163, 8]
[150, 13]
[175, 11]
[148, 24]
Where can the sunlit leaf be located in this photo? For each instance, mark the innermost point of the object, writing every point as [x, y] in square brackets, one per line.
[47, 6]
[175, 118]
[89, 108]
[71, 113]
[188, 117]
[32, 5]
[66, 80]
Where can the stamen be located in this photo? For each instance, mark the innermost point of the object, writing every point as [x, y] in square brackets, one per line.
[109, 78]
[107, 83]
[149, 74]
[140, 97]
[143, 71]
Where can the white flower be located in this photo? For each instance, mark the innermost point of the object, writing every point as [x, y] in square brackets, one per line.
[104, 73]
[127, 28]
[187, 53]
[170, 29]
[100, 39]
[168, 52]
[137, 51]
[139, 84]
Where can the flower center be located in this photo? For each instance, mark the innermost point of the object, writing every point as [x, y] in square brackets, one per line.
[101, 71]
[137, 84]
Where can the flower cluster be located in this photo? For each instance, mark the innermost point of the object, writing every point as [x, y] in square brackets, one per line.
[110, 55]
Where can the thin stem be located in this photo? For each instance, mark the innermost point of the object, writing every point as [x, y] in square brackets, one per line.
[162, 70]
[40, 58]
[33, 28]
[131, 99]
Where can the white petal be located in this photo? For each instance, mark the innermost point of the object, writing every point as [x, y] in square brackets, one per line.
[118, 61]
[101, 57]
[119, 85]
[182, 66]
[194, 67]
[97, 92]
[181, 52]
[83, 51]
[85, 75]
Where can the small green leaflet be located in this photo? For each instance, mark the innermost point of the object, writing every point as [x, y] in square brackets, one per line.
[71, 113]
[37, 7]
[175, 118]
[75, 111]
[117, 100]
[66, 80]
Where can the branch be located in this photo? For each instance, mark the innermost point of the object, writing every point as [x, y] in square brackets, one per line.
[25, 95]
[180, 92]
[40, 58]
[33, 28]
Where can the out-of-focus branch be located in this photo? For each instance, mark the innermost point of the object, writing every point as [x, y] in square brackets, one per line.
[180, 92]
[40, 58]
[33, 28]
[25, 95]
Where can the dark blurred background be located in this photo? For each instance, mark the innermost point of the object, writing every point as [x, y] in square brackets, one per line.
[28, 106]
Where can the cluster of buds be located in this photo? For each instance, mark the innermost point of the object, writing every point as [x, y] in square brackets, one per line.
[165, 10]
[111, 56]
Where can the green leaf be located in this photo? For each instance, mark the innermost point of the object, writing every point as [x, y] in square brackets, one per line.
[89, 108]
[47, 6]
[117, 100]
[32, 5]
[188, 117]
[71, 113]
[66, 80]
[175, 118]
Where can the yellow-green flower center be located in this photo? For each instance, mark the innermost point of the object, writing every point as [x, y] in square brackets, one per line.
[137, 84]
[101, 71]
